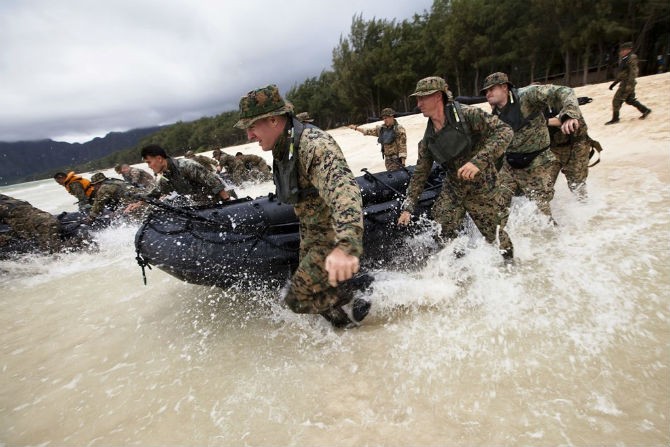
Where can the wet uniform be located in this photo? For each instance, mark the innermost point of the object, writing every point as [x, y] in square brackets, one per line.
[139, 178]
[189, 178]
[458, 196]
[330, 217]
[29, 223]
[111, 195]
[534, 178]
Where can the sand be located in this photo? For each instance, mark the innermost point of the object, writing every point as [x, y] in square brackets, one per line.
[640, 143]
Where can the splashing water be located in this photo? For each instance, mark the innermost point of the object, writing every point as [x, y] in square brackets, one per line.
[567, 346]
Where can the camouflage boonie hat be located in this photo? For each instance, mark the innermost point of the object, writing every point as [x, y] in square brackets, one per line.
[626, 46]
[388, 112]
[495, 79]
[430, 85]
[261, 103]
[304, 117]
[97, 178]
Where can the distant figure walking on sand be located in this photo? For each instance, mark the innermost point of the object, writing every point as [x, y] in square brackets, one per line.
[628, 71]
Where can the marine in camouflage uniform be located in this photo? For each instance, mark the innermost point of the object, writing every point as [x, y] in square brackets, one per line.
[529, 167]
[329, 205]
[394, 152]
[232, 166]
[110, 194]
[470, 182]
[184, 177]
[255, 168]
[139, 178]
[207, 162]
[628, 71]
[77, 186]
[572, 153]
[29, 224]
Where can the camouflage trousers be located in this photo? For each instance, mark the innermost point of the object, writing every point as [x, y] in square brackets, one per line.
[393, 163]
[573, 161]
[626, 93]
[478, 199]
[309, 290]
[535, 182]
[40, 227]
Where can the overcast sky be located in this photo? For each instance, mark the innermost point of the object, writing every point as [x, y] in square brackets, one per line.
[71, 70]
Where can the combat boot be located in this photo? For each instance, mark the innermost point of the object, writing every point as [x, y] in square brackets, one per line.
[614, 120]
[646, 113]
[338, 318]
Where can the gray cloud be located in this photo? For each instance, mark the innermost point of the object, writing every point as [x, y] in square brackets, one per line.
[74, 69]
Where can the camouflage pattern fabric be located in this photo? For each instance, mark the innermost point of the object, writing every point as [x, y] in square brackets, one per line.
[534, 99]
[77, 190]
[479, 197]
[572, 153]
[30, 223]
[207, 162]
[139, 178]
[255, 168]
[233, 167]
[394, 151]
[537, 180]
[112, 194]
[189, 178]
[333, 218]
[261, 103]
[628, 71]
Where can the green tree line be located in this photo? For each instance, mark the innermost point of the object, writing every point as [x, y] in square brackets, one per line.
[569, 42]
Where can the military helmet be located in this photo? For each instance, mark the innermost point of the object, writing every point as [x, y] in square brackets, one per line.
[261, 103]
[626, 46]
[216, 152]
[117, 168]
[189, 154]
[428, 86]
[388, 112]
[97, 178]
[304, 117]
[495, 79]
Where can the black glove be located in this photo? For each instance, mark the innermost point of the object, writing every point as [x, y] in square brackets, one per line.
[613, 84]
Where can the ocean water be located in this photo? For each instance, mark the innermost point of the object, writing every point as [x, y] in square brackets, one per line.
[569, 346]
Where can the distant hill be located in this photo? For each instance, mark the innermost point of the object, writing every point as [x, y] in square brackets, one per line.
[21, 160]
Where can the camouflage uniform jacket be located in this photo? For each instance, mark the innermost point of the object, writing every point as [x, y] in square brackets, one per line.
[187, 177]
[490, 138]
[139, 178]
[338, 206]
[207, 162]
[398, 148]
[534, 99]
[112, 194]
[227, 162]
[628, 70]
[251, 161]
[28, 223]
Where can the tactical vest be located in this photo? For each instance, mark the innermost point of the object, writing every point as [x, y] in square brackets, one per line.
[453, 142]
[285, 171]
[511, 113]
[386, 135]
[73, 178]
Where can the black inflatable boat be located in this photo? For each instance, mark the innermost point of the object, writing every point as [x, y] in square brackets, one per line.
[255, 241]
